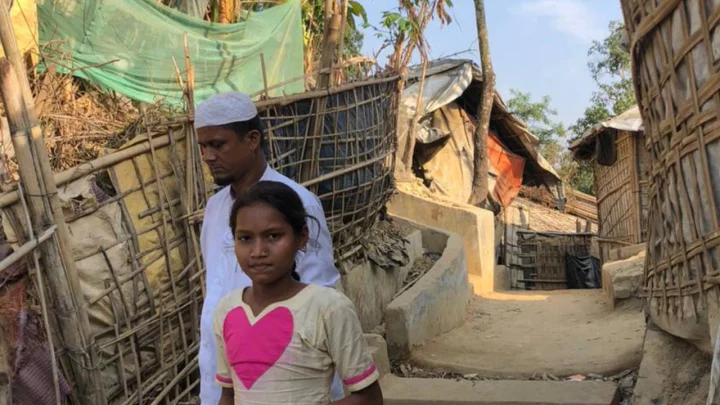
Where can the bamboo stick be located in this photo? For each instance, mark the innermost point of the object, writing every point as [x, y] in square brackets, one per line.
[96, 165]
[58, 263]
[26, 248]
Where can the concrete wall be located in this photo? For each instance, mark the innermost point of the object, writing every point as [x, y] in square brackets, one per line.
[474, 226]
[436, 304]
[371, 288]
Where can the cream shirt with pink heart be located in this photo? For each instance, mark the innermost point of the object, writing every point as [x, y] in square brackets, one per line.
[289, 352]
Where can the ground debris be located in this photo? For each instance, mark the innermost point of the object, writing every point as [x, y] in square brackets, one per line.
[626, 380]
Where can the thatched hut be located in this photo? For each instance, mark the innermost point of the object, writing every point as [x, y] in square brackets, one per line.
[616, 148]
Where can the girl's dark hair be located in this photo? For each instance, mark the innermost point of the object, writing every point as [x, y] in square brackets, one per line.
[278, 196]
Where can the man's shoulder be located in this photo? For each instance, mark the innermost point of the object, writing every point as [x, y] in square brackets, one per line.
[218, 199]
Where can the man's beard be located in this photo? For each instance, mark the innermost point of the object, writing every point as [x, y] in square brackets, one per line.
[222, 181]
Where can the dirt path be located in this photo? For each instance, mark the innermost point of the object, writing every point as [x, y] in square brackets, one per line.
[522, 334]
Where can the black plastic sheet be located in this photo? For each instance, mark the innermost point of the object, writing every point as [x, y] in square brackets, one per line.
[582, 272]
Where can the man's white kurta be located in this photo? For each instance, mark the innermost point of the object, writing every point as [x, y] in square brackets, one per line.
[223, 273]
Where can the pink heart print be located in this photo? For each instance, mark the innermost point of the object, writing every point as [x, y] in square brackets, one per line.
[253, 349]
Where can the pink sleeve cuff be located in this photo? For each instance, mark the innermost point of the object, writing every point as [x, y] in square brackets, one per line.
[363, 380]
[223, 381]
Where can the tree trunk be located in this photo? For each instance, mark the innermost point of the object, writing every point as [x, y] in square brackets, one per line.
[479, 192]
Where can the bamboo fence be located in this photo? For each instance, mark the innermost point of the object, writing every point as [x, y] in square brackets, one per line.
[111, 246]
[121, 298]
[541, 257]
[677, 82]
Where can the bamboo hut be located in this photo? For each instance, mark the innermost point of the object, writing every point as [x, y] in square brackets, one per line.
[616, 148]
[675, 59]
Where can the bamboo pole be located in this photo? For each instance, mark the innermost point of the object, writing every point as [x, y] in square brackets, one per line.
[46, 211]
[337, 74]
[96, 165]
[331, 39]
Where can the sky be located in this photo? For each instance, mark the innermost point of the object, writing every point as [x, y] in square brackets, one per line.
[536, 46]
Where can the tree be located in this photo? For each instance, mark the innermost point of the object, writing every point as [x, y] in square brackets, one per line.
[313, 18]
[609, 65]
[536, 115]
[403, 30]
[479, 191]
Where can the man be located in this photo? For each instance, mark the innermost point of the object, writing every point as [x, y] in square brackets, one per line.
[232, 142]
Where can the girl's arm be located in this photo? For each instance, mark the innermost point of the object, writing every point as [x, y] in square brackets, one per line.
[353, 362]
[371, 395]
[228, 397]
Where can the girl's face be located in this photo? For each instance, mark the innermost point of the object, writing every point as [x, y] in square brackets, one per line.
[265, 243]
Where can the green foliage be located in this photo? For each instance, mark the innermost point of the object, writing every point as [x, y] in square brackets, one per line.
[537, 115]
[609, 65]
[610, 68]
[313, 15]
[403, 28]
[595, 113]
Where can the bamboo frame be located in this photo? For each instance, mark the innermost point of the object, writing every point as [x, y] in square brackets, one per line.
[45, 209]
[543, 257]
[678, 89]
[620, 215]
[149, 353]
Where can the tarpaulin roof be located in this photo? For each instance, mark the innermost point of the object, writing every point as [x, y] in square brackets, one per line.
[448, 80]
[630, 121]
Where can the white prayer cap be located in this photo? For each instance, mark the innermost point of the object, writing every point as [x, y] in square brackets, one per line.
[224, 109]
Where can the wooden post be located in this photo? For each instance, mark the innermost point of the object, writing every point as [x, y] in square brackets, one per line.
[331, 39]
[36, 174]
[58, 264]
[407, 157]
[337, 75]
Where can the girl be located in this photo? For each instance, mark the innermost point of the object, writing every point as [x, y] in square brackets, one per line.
[280, 341]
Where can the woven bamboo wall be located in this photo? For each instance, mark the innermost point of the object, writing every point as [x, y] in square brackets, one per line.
[136, 238]
[618, 203]
[341, 145]
[643, 184]
[677, 81]
[544, 257]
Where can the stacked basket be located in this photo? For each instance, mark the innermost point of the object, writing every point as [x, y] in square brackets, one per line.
[675, 46]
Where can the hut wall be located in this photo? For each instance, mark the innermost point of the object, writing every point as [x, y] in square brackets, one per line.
[515, 219]
[619, 196]
[544, 257]
[642, 159]
[675, 62]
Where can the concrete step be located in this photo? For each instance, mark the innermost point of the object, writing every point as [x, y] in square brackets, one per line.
[423, 391]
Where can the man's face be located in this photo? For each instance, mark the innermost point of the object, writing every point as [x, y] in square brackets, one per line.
[228, 155]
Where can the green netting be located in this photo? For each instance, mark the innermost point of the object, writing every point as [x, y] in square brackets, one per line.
[143, 37]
